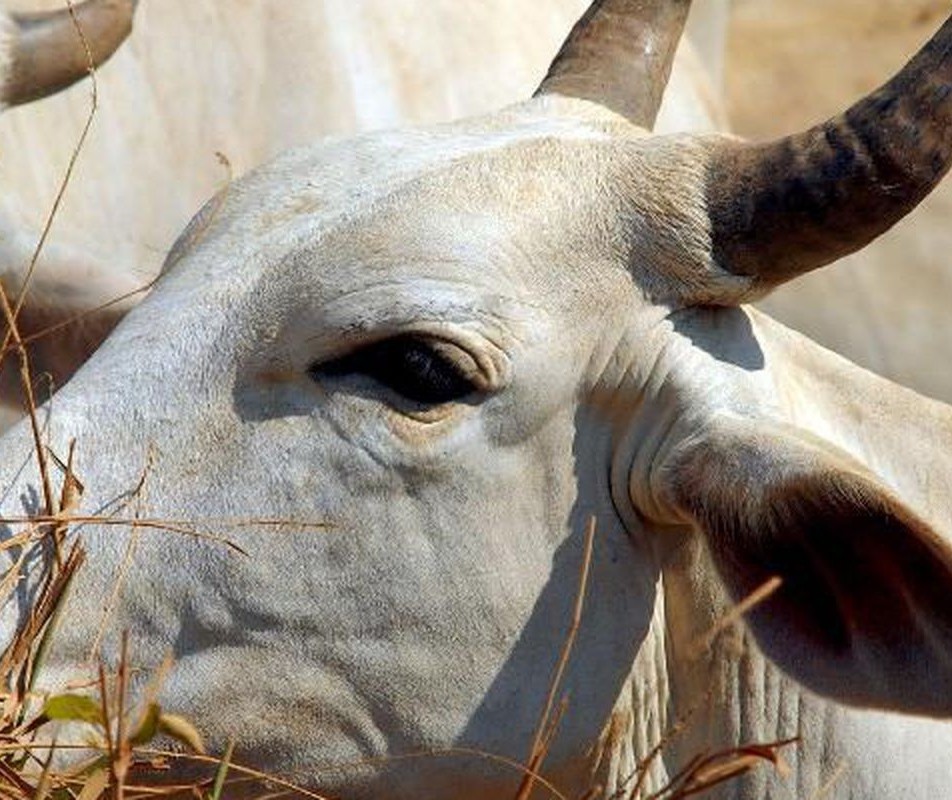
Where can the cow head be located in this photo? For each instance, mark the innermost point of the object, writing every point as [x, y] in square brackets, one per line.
[453, 347]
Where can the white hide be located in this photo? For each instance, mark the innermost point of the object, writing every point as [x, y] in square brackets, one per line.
[6, 27]
[252, 79]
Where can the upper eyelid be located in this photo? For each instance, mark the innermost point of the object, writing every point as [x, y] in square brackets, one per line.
[458, 385]
[490, 370]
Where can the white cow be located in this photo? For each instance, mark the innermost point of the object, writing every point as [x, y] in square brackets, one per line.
[454, 345]
[250, 80]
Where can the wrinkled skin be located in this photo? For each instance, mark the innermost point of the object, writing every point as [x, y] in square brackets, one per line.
[399, 654]
[791, 63]
[278, 75]
[430, 613]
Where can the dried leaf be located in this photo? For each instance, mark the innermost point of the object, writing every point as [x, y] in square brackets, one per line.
[147, 727]
[71, 495]
[72, 490]
[182, 731]
[95, 785]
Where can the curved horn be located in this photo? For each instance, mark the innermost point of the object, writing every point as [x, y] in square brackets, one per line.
[619, 54]
[47, 53]
[784, 208]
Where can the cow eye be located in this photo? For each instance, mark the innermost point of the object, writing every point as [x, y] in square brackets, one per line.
[420, 370]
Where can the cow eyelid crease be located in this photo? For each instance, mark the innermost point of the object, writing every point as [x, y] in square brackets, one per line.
[419, 369]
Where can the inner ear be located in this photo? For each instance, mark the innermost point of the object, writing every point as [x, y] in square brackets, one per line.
[864, 609]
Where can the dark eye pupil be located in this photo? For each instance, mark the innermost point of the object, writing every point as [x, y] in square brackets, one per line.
[408, 366]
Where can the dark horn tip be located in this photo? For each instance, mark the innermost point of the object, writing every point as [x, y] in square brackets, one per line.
[781, 209]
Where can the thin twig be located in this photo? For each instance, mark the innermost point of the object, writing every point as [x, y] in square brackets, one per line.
[67, 175]
[106, 716]
[543, 736]
[754, 599]
[27, 385]
[126, 563]
[51, 329]
[123, 756]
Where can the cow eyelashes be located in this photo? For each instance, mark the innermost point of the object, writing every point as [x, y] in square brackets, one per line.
[420, 370]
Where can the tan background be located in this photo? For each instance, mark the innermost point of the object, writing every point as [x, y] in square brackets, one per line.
[793, 63]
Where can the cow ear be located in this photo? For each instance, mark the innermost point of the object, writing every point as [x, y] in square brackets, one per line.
[863, 613]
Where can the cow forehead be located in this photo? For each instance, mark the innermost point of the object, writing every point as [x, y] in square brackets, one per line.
[534, 210]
